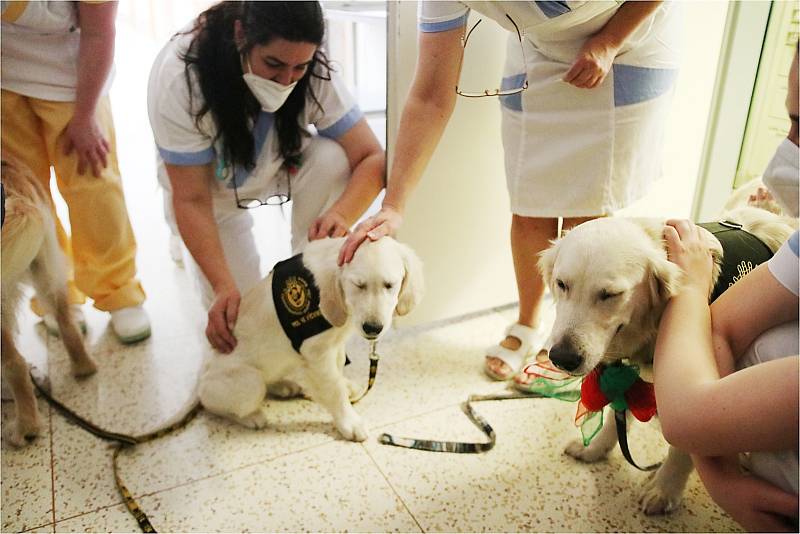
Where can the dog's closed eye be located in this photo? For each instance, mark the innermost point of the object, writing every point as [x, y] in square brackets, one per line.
[360, 285]
[606, 294]
[388, 285]
[562, 286]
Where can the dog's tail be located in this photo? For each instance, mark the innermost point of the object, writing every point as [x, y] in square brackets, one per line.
[27, 217]
[773, 230]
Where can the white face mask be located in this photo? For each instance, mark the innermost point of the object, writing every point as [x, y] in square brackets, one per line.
[782, 177]
[271, 95]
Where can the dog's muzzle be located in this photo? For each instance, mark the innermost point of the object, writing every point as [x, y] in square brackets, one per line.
[565, 356]
[371, 330]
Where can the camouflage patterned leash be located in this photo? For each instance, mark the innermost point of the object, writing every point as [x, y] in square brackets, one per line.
[373, 372]
[122, 441]
[130, 502]
[460, 446]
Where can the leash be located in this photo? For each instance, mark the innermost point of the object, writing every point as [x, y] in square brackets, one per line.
[127, 442]
[551, 383]
[121, 442]
[622, 438]
[373, 372]
[460, 446]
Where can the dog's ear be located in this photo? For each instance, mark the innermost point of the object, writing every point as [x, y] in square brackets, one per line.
[547, 260]
[413, 285]
[320, 257]
[331, 297]
[664, 277]
[716, 254]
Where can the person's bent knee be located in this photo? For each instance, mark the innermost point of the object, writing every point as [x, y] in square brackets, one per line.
[330, 158]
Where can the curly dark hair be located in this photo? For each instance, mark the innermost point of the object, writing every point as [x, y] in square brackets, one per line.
[216, 59]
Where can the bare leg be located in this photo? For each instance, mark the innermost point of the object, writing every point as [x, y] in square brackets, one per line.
[529, 236]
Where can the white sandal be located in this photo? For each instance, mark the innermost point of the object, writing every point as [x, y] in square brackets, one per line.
[512, 358]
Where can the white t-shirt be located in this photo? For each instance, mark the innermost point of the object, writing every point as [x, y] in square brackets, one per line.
[181, 142]
[779, 468]
[40, 45]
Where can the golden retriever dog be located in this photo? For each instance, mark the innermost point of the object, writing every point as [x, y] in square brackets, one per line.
[610, 279]
[30, 253]
[384, 278]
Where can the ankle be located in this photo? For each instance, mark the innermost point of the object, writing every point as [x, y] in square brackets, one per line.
[511, 343]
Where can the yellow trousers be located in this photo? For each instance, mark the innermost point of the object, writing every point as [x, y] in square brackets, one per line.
[102, 251]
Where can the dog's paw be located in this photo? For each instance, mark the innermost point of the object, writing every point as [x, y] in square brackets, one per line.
[590, 454]
[656, 500]
[285, 389]
[256, 420]
[83, 368]
[352, 427]
[22, 432]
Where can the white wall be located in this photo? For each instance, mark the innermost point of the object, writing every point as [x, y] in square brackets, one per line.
[458, 219]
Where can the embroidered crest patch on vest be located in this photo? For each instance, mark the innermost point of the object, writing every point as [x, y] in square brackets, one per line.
[296, 295]
[296, 298]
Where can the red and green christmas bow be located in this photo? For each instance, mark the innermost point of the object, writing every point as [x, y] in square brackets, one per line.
[616, 384]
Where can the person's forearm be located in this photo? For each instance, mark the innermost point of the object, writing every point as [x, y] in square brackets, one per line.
[625, 21]
[364, 185]
[701, 413]
[684, 354]
[421, 127]
[200, 234]
[95, 58]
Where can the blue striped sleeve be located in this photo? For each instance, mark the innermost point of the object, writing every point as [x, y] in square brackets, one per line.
[343, 125]
[444, 25]
[201, 157]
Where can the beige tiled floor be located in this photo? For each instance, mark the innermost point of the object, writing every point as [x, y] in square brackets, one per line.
[298, 474]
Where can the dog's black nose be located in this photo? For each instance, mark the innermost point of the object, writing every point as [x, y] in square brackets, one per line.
[372, 329]
[564, 356]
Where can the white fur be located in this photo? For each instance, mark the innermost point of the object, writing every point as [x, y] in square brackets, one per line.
[625, 261]
[384, 278]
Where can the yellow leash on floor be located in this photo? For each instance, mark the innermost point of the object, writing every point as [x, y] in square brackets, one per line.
[127, 442]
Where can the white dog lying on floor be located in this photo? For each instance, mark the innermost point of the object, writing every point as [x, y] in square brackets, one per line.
[384, 277]
[610, 279]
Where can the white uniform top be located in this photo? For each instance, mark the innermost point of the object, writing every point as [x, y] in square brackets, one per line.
[181, 142]
[570, 151]
[779, 468]
[40, 47]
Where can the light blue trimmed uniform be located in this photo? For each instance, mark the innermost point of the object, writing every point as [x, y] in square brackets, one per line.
[320, 180]
[780, 467]
[570, 151]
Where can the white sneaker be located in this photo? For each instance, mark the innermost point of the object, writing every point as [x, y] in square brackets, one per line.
[176, 249]
[51, 325]
[130, 324]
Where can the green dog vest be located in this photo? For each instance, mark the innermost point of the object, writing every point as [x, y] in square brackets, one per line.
[742, 252]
